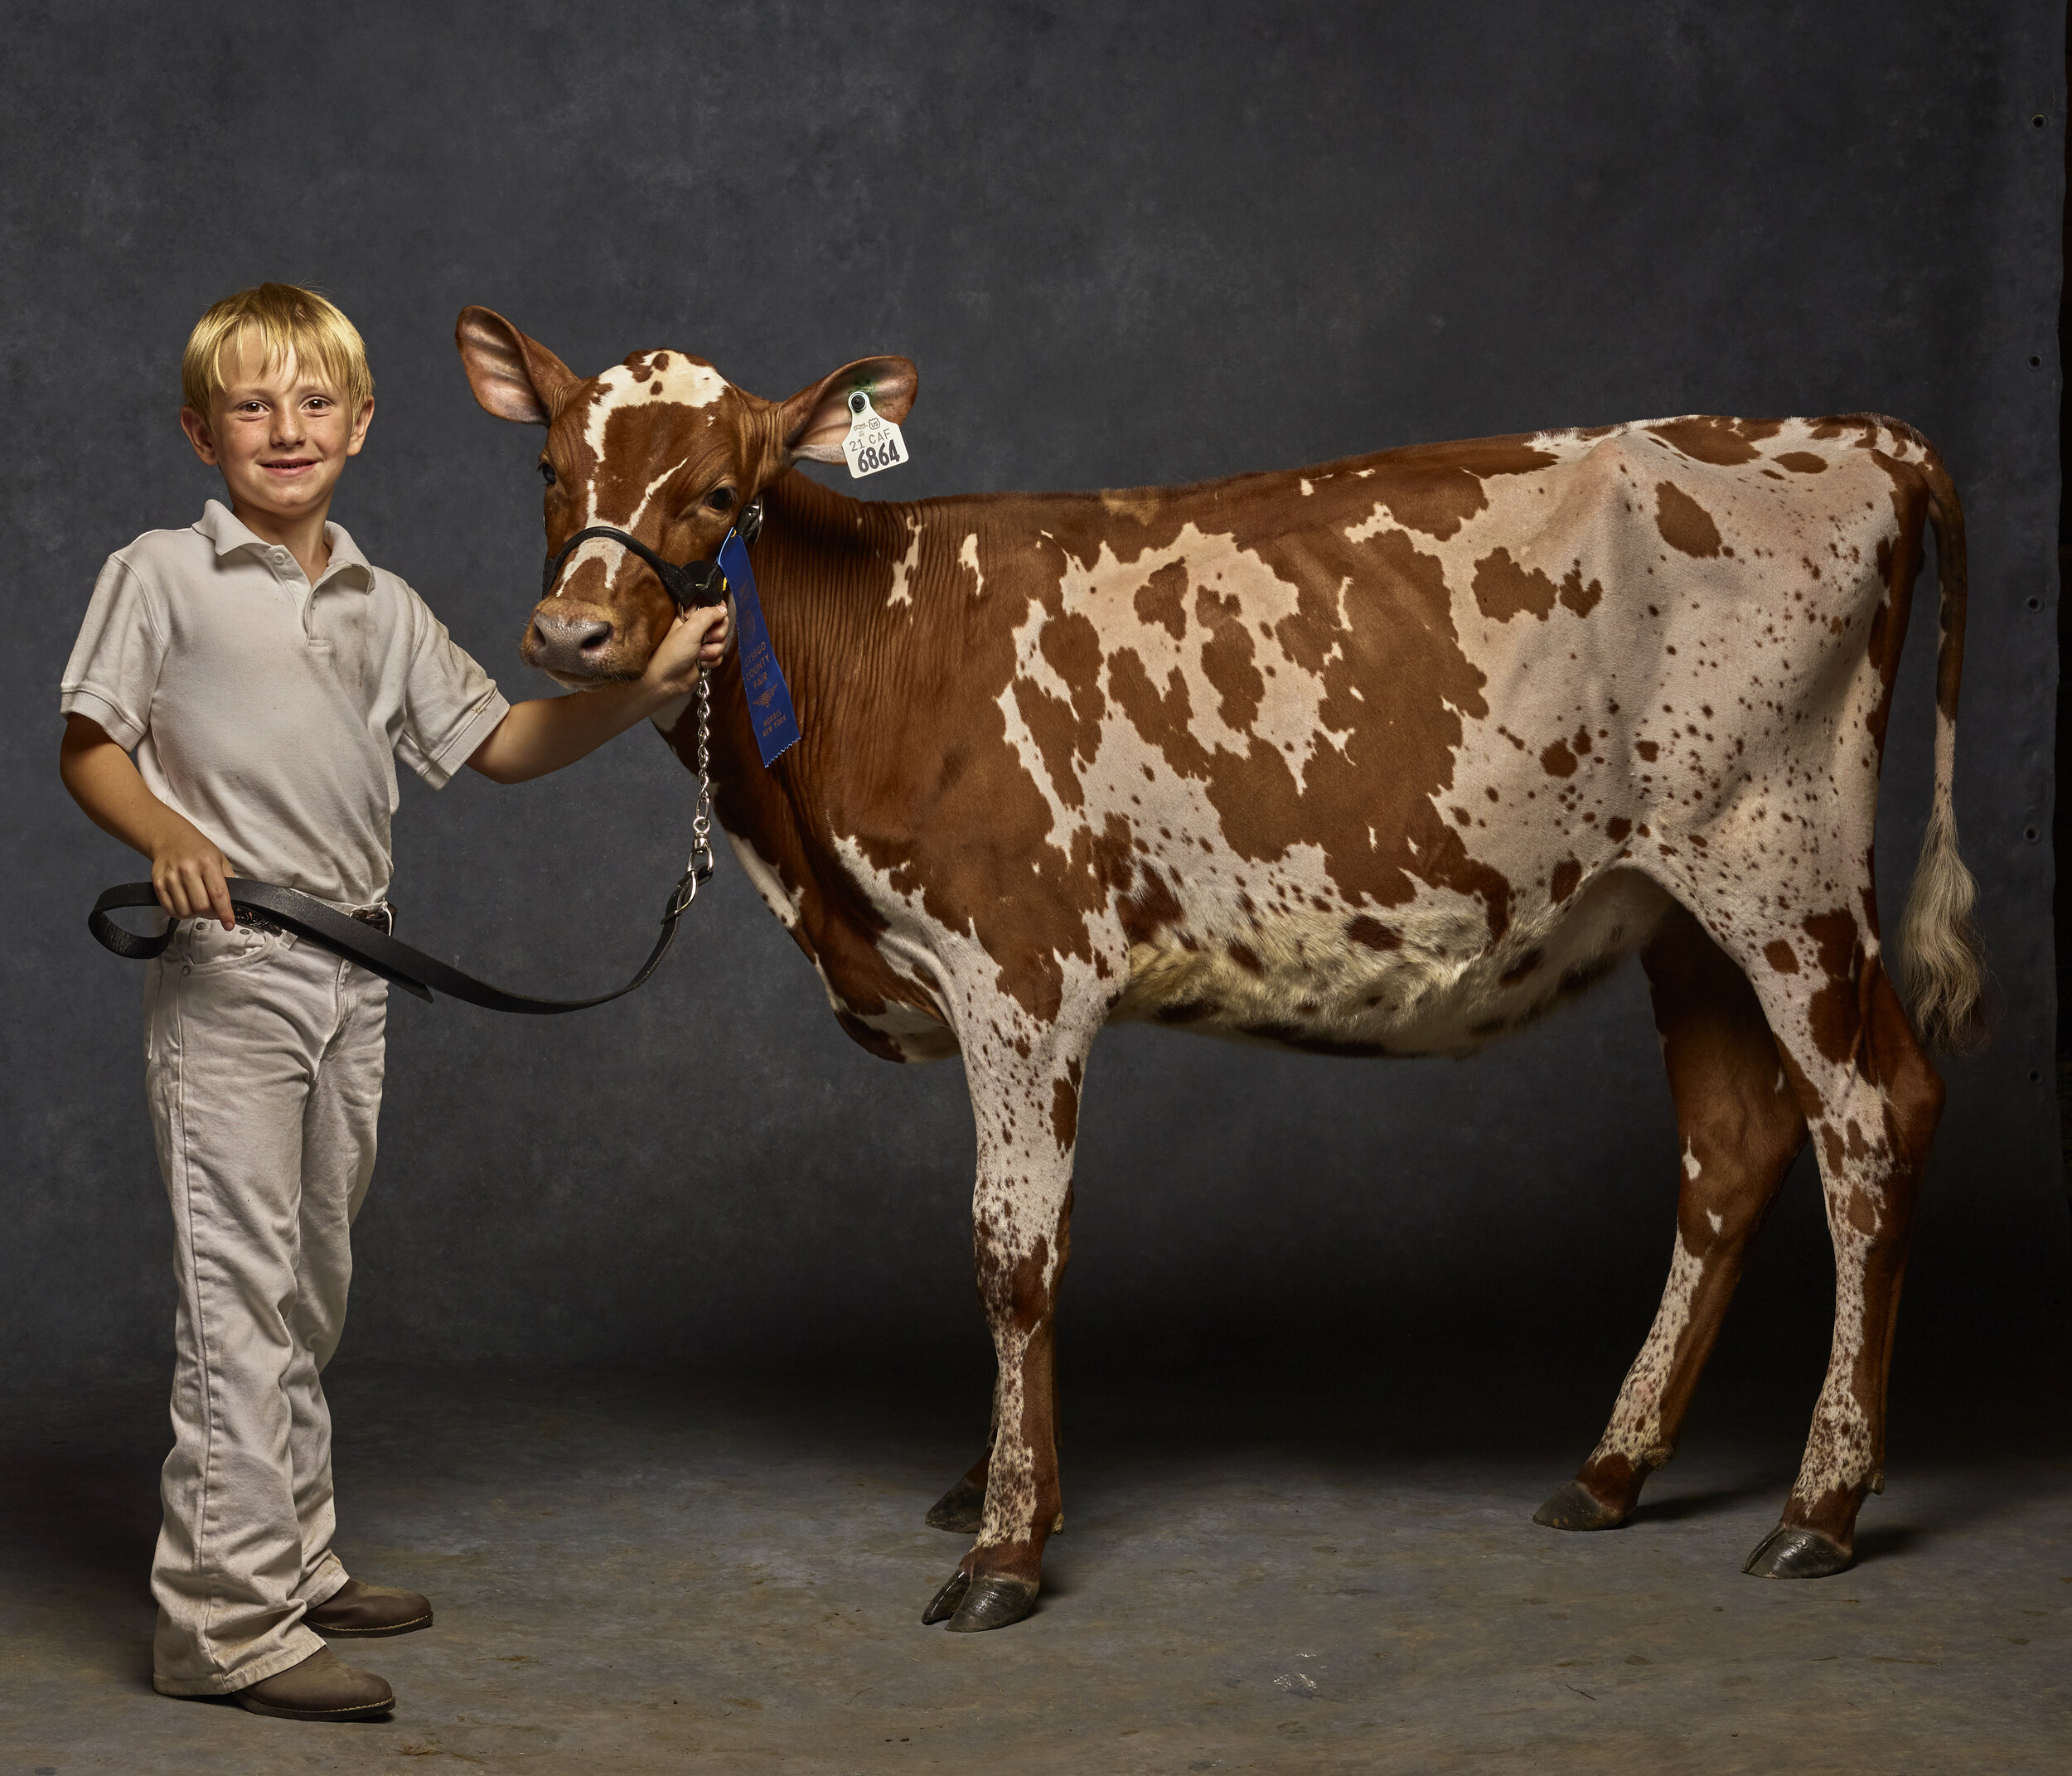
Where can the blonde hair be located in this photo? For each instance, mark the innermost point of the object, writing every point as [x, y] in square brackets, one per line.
[290, 321]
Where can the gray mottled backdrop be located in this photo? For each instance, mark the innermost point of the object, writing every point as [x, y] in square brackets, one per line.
[1125, 244]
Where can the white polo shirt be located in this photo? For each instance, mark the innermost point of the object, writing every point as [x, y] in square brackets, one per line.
[269, 711]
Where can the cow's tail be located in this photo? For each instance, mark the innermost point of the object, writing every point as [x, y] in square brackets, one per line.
[1943, 972]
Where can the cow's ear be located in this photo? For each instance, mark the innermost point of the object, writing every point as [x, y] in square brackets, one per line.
[514, 377]
[816, 419]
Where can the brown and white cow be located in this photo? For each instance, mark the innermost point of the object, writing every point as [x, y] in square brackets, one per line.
[1388, 756]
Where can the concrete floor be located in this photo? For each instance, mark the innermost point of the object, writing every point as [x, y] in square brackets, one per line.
[634, 1575]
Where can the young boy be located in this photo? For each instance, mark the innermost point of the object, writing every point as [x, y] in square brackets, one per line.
[267, 677]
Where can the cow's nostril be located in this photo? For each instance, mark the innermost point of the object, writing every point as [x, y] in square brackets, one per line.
[564, 643]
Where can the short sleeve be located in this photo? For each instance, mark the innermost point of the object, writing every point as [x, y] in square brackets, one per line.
[450, 705]
[114, 669]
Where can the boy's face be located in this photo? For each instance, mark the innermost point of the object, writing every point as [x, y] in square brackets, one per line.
[281, 437]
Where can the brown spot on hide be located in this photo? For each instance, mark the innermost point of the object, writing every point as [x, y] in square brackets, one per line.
[1705, 438]
[1161, 599]
[1557, 761]
[1503, 588]
[1064, 1113]
[1247, 958]
[1436, 488]
[1617, 828]
[1781, 956]
[1578, 598]
[1373, 934]
[1562, 883]
[1226, 659]
[1685, 524]
[1801, 461]
[1831, 1015]
[1647, 749]
[1066, 734]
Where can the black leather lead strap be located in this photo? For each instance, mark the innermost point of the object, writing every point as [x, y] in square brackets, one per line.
[372, 948]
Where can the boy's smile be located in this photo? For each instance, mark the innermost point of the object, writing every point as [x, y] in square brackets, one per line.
[280, 435]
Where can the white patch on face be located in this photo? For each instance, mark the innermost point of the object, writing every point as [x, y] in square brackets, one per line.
[684, 384]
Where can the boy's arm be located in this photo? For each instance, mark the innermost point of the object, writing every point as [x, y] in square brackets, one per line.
[548, 733]
[186, 869]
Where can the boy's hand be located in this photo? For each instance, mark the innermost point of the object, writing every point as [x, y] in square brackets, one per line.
[698, 638]
[187, 870]
[189, 874]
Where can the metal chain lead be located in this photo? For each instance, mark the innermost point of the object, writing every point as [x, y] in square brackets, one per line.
[701, 815]
[700, 865]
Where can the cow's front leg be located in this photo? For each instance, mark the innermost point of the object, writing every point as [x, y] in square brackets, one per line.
[1028, 1113]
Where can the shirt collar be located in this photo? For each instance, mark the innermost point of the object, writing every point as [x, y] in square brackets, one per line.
[223, 528]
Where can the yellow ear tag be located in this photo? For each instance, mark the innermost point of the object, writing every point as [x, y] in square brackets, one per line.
[873, 442]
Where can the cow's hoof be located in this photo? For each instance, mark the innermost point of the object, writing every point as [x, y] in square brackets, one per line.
[944, 1601]
[1574, 1505]
[962, 1508]
[993, 1601]
[1788, 1553]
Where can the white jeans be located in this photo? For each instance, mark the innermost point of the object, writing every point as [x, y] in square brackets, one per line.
[262, 1060]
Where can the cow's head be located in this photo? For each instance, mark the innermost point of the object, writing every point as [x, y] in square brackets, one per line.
[663, 446]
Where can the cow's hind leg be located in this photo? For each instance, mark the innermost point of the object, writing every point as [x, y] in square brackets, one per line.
[1739, 1127]
[1873, 1100]
[1027, 1112]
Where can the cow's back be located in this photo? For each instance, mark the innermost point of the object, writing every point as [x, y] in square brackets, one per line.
[1352, 756]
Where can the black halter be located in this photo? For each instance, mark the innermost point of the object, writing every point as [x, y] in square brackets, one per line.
[692, 585]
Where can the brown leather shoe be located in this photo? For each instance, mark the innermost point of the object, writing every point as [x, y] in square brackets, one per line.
[322, 1687]
[369, 1610]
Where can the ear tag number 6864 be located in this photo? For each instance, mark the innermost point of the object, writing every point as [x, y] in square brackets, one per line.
[873, 442]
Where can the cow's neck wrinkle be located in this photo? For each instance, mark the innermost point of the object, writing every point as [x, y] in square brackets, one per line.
[823, 565]
[826, 571]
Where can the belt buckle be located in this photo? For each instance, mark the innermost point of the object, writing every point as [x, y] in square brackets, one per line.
[381, 917]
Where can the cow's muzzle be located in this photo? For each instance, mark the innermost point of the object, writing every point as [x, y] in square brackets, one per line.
[572, 641]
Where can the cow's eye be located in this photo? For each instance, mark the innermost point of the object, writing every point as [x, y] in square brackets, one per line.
[546, 473]
[720, 499]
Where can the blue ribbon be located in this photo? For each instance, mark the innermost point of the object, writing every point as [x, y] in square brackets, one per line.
[777, 725]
